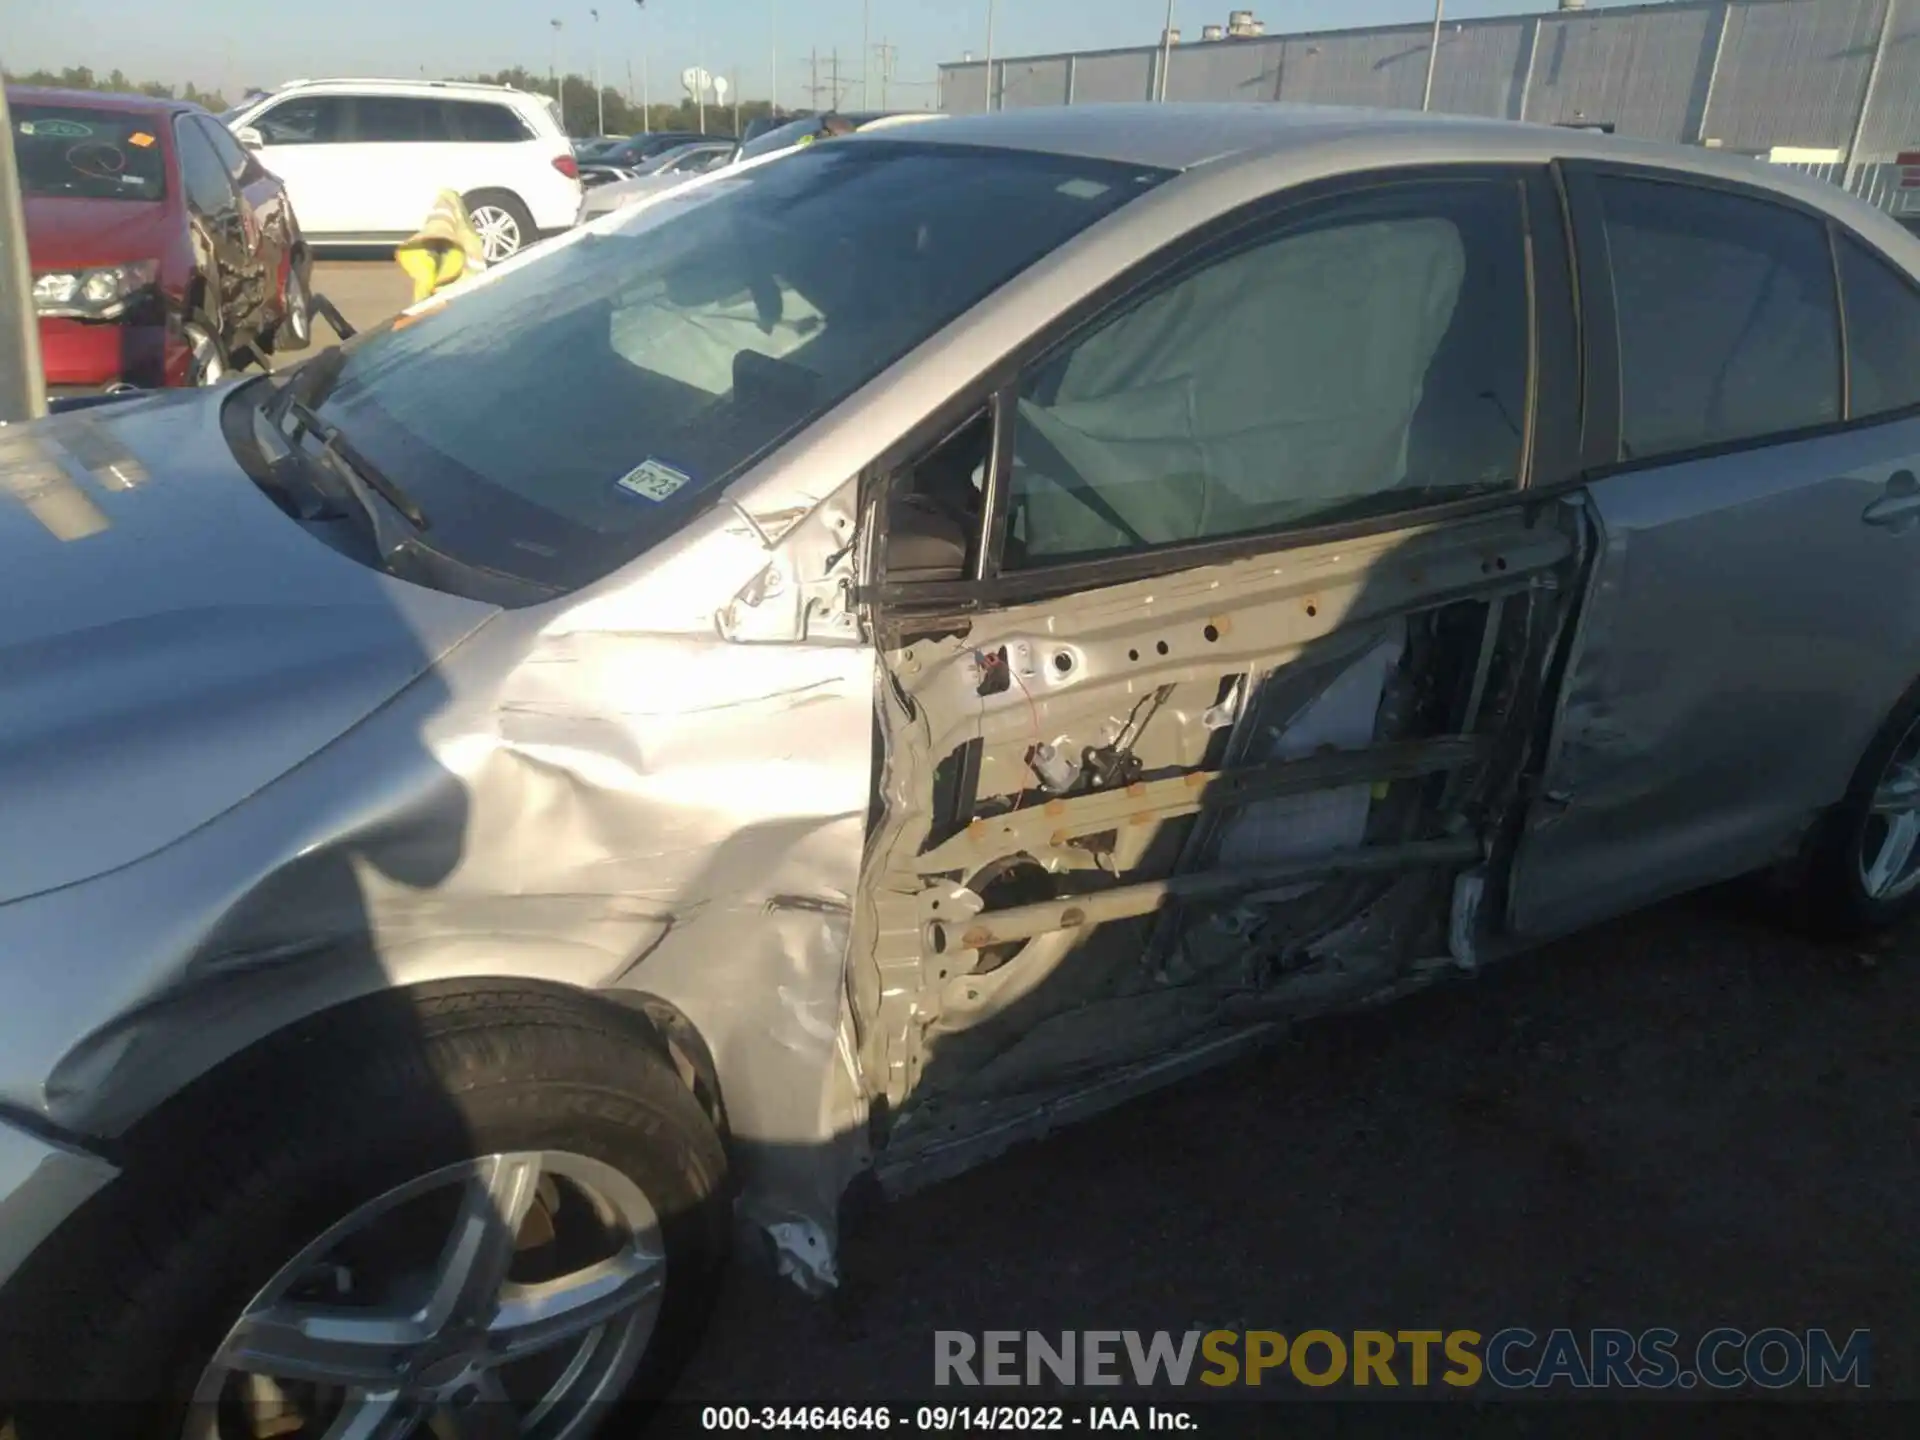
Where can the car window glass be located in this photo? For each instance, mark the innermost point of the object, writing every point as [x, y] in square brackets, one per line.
[304, 120]
[655, 359]
[1729, 328]
[86, 154]
[397, 120]
[232, 154]
[208, 187]
[1883, 331]
[481, 122]
[1369, 357]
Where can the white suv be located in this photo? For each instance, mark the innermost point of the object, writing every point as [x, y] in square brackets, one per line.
[364, 159]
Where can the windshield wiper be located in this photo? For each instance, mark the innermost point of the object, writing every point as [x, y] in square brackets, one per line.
[351, 464]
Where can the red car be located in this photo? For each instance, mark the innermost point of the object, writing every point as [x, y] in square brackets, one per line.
[163, 253]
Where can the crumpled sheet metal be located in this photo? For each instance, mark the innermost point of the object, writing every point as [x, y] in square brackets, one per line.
[610, 795]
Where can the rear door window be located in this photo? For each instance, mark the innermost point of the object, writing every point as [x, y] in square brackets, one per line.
[1883, 332]
[1728, 320]
[398, 120]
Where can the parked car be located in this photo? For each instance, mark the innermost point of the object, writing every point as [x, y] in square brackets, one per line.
[636, 150]
[161, 250]
[662, 173]
[364, 159]
[592, 145]
[808, 128]
[825, 677]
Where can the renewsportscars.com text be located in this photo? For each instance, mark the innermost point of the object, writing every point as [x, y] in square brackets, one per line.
[1514, 1358]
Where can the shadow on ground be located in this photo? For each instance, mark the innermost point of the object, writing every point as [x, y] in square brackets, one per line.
[1684, 1119]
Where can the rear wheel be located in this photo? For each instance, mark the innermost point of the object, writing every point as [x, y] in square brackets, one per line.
[502, 223]
[498, 1213]
[1863, 872]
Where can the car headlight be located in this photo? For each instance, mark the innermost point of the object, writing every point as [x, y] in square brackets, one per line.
[105, 292]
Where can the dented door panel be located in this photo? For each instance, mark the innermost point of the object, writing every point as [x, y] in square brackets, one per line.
[1130, 827]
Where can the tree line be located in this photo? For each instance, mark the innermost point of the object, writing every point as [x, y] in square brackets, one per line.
[81, 77]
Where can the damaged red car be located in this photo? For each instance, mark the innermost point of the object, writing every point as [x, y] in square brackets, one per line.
[163, 253]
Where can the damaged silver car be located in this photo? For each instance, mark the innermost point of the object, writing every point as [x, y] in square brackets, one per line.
[869, 658]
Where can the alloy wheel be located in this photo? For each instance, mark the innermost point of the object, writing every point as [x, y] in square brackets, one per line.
[1890, 839]
[511, 1295]
[209, 363]
[299, 310]
[499, 232]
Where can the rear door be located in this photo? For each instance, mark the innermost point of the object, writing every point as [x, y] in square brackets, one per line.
[1213, 627]
[409, 158]
[1755, 608]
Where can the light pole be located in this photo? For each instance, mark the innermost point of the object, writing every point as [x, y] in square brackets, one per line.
[1433, 54]
[1166, 51]
[989, 54]
[599, 95]
[773, 85]
[553, 74]
[646, 74]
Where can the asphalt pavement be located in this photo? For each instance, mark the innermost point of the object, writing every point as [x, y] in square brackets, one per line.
[1688, 1118]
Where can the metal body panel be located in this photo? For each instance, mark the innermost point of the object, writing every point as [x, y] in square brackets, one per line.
[658, 788]
[1744, 637]
[41, 1184]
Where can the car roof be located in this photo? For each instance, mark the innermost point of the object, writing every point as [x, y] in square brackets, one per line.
[1188, 136]
[407, 87]
[100, 100]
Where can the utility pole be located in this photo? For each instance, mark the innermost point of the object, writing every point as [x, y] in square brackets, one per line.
[1433, 54]
[646, 75]
[773, 38]
[834, 75]
[1166, 52]
[989, 54]
[736, 101]
[814, 87]
[553, 74]
[866, 51]
[599, 94]
[886, 54]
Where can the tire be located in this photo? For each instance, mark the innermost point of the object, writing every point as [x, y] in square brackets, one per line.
[210, 363]
[295, 328]
[1834, 896]
[126, 1306]
[502, 222]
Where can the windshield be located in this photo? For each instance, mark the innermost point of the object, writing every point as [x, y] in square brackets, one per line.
[88, 154]
[562, 417]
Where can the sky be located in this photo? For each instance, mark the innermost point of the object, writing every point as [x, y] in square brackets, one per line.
[233, 44]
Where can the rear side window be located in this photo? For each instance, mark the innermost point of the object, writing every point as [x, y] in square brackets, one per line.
[398, 120]
[483, 123]
[1365, 358]
[1729, 324]
[1883, 332]
[305, 120]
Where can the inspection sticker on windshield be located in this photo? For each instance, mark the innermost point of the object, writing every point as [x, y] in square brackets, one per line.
[653, 479]
[140, 138]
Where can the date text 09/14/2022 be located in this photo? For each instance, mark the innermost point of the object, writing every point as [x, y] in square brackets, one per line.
[939, 1419]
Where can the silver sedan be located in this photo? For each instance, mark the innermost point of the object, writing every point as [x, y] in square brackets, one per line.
[867, 658]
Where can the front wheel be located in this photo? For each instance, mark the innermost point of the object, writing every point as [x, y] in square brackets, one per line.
[491, 1213]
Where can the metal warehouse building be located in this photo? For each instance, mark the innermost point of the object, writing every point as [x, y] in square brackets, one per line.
[1748, 75]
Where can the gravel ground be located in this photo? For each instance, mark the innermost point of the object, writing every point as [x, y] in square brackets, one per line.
[1684, 1119]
